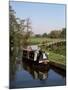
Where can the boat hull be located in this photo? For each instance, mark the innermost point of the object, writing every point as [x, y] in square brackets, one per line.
[41, 66]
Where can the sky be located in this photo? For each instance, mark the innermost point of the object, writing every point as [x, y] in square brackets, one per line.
[44, 17]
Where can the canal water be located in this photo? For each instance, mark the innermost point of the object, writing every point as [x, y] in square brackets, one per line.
[27, 75]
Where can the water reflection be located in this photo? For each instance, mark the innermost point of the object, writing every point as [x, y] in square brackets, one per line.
[35, 72]
[12, 68]
[30, 75]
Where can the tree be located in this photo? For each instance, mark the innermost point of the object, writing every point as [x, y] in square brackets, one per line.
[55, 34]
[37, 35]
[12, 30]
[20, 31]
[63, 33]
[44, 35]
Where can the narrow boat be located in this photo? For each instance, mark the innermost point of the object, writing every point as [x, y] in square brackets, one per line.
[35, 55]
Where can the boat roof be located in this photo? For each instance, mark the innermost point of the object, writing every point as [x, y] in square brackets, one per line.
[32, 48]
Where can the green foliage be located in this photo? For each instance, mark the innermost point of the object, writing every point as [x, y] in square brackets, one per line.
[63, 33]
[58, 48]
[18, 34]
[55, 34]
[61, 50]
[40, 40]
[37, 35]
[44, 35]
[58, 33]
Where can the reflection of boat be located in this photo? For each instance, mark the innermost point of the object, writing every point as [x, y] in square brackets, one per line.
[35, 72]
[35, 55]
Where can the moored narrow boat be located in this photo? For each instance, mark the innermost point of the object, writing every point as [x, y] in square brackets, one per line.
[35, 56]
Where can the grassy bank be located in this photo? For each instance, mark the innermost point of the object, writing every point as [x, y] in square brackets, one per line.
[57, 58]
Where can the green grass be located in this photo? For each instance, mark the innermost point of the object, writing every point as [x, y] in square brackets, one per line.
[61, 50]
[40, 40]
[57, 58]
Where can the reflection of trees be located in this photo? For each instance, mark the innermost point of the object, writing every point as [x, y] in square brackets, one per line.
[12, 69]
[35, 72]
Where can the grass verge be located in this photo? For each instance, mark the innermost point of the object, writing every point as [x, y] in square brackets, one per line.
[57, 58]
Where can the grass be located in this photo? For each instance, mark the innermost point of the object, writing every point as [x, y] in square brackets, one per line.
[59, 50]
[57, 58]
[40, 40]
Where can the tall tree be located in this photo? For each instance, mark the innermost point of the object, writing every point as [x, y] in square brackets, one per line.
[12, 30]
[63, 33]
[20, 30]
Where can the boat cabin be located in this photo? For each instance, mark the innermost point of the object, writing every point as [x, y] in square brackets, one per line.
[34, 53]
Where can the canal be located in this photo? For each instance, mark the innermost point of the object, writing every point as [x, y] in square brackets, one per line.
[26, 75]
